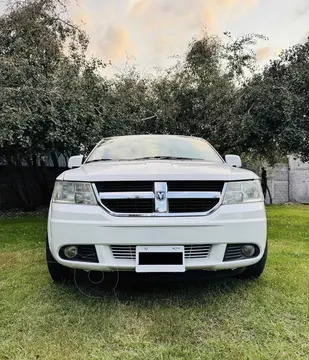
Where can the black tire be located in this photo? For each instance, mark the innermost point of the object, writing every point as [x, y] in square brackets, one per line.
[256, 270]
[57, 271]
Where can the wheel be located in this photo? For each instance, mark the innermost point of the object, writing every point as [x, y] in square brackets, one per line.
[255, 271]
[57, 271]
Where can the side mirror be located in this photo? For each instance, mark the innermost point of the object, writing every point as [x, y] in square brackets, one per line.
[233, 160]
[75, 161]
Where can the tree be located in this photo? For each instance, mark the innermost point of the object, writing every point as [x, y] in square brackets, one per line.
[49, 90]
[273, 108]
[196, 96]
[128, 100]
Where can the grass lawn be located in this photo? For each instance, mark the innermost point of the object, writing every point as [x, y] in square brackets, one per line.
[212, 319]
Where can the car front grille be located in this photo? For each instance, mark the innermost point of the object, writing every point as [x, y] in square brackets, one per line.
[191, 205]
[131, 206]
[197, 251]
[126, 252]
[195, 185]
[122, 186]
[159, 198]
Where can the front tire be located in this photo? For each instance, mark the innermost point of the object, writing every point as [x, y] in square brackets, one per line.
[255, 271]
[57, 271]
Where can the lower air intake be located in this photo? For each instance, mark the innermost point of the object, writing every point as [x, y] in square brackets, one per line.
[126, 252]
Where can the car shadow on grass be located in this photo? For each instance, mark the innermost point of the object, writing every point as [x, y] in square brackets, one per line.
[132, 287]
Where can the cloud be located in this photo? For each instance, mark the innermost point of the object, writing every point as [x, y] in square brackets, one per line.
[210, 19]
[266, 52]
[158, 13]
[215, 12]
[80, 14]
[116, 44]
[180, 20]
[161, 43]
[304, 38]
[263, 53]
[139, 7]
[301, 10]
[234, 3]
[152, 30]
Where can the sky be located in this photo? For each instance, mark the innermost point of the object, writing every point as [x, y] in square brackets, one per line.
[149, 33]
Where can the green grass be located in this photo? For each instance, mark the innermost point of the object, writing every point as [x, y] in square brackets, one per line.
[214, 319]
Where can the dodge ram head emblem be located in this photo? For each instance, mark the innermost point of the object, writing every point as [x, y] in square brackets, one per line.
[161, 195]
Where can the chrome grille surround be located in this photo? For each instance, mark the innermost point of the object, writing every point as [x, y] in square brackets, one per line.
[128, 252]
[160, 195]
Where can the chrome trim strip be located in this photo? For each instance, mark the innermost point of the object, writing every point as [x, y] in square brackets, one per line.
[169, 195]
[194, 195]
[160, 214]
[127, 195]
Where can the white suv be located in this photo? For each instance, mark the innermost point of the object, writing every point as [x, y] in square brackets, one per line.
[156, 204]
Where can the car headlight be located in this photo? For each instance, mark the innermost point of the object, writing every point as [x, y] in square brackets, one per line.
[240, 192]
[67, 192]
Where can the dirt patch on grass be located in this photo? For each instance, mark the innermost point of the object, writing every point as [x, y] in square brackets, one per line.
[8, 259]
[14, 258]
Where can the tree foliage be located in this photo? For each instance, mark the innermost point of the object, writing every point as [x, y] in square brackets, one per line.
[50, 93]
[273, 107]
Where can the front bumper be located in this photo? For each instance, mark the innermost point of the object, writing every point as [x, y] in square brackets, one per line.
[229, 224]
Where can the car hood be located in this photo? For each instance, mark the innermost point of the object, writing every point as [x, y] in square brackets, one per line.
[156, 170]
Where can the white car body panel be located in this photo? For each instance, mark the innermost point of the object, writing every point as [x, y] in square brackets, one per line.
[156, 170]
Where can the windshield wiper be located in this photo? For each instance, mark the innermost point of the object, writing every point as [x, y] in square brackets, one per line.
[96, 160]
[167, 158]
[148, 158]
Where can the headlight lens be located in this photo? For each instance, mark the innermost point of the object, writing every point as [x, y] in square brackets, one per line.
[67, 192]
[241, 192]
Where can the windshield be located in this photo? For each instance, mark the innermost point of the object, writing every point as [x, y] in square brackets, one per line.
[153, 147]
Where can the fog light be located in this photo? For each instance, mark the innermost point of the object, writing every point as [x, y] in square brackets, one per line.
[70, 251]
[248, 250]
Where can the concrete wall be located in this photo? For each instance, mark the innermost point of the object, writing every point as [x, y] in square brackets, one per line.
[278, 183]
[299, 181]
[289, 182]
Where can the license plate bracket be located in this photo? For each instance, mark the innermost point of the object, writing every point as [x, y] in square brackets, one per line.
[160, 259]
